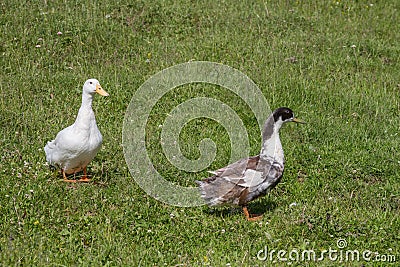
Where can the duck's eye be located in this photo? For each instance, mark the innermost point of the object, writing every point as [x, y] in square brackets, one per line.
[91, 82]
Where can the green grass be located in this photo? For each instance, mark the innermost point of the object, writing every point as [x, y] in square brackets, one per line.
[342, 168]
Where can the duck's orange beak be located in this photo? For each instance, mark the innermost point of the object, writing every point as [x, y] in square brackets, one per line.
[100, 90]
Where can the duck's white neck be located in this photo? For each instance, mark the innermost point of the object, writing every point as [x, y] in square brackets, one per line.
[272, 146]
[85, 114]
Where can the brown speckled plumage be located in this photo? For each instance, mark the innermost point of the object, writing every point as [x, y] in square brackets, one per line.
[250, 178]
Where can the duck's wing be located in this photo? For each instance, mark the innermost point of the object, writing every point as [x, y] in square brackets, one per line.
[237, 168]
[57, 149]
[240, 182]
[245, 172]
[230, 185]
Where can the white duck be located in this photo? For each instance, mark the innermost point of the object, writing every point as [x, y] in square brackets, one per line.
[76, 146]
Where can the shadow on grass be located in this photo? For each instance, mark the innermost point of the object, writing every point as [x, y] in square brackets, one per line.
[258, 208]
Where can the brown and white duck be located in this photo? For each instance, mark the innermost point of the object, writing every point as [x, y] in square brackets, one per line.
[247, 179]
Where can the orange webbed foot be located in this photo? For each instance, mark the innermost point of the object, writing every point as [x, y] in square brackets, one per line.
[251, 217]
[84, 179]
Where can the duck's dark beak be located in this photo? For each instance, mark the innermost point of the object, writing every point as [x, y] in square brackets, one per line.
[296, 120]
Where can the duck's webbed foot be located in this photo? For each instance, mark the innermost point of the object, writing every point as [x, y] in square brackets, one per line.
[251, 217]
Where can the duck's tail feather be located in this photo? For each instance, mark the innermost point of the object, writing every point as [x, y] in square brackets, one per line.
[215, 193]
[49, 151]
